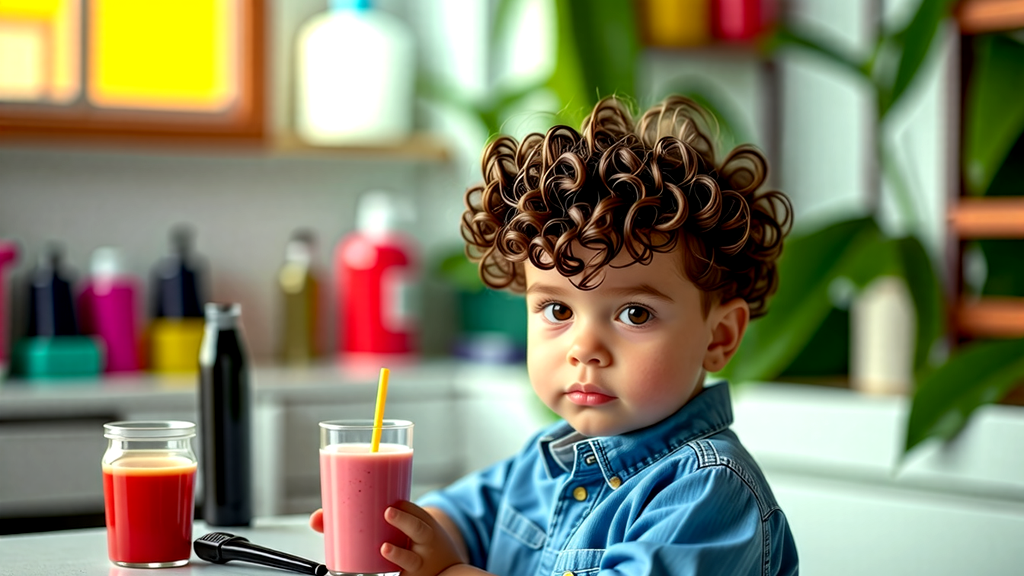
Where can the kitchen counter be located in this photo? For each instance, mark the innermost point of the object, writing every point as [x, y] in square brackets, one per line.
[466, 416]
[84, 552]
[833, 458]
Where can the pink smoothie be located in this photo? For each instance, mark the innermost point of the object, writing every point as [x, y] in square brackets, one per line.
[356, 487]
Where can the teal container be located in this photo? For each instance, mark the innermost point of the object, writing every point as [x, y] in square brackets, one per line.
[493, 311]
[57, 357]
[493, 327]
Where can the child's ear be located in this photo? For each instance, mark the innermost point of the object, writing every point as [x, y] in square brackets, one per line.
[728, 322]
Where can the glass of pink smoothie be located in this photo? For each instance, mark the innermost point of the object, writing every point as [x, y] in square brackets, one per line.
[356, 486]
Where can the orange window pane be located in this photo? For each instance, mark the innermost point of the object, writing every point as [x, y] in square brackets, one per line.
[40, 50]
[174, 55]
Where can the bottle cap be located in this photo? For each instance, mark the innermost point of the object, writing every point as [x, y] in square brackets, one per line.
[300, 247]
[358, 5]
[223, 314]
[182, 236]
[106, 262]
[380, 212]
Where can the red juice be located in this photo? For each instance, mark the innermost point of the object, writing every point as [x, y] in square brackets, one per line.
[149, 502]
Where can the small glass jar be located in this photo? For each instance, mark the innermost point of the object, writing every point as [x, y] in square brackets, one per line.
[149, 472]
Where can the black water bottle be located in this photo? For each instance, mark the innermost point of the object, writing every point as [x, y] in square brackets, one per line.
[225, 417]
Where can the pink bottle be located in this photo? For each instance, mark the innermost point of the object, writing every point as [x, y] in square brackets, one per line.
[107, 306]
[8, 252]
[376, 273]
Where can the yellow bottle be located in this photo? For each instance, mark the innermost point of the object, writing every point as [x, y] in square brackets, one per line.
[676, 23]
[176, 332]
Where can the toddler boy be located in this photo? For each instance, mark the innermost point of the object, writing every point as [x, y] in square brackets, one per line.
[642, 261]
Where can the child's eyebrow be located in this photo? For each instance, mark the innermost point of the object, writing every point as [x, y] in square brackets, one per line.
[639, 290]
[544, 289]
[624, 291]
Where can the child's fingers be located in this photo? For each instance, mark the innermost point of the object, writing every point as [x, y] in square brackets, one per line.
[316, 520]
[416, 529]
[406, 559]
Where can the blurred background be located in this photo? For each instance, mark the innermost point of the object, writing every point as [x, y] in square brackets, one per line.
[254, 151]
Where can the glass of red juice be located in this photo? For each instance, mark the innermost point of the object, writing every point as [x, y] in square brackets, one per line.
[356, 486]
[149, 473]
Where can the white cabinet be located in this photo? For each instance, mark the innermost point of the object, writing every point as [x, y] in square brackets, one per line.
[832, 458]
[51, 435]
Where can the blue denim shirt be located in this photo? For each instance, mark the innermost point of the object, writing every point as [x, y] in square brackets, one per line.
[680, 497]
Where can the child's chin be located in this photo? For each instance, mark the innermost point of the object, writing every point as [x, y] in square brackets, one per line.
[597, 427]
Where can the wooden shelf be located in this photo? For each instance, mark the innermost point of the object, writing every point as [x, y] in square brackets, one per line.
[992, 217]
[991, 317]
[424, 147]
[713, 50]
[981, 16]
[419, 147]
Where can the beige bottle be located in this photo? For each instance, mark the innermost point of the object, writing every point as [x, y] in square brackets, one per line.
[299, 298]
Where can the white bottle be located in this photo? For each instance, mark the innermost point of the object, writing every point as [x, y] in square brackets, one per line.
[355, 77]
[882, 337]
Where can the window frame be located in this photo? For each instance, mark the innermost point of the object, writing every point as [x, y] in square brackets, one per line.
[244, 122]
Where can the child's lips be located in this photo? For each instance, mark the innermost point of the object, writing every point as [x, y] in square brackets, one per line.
[587, 395]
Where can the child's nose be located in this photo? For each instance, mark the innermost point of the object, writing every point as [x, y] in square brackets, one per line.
[587, 348]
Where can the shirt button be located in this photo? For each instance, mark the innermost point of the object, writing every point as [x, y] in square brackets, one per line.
[615, 482]
[580, 493]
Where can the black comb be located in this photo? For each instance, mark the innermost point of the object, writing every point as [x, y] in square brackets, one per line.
[221, 547]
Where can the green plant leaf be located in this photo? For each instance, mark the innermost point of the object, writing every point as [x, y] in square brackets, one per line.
[567, 80]
[784, 37]
[607, 45]
[827, 353]
[994, 109]
[597, 50]
[914, 41]
[925, 289]
[460, 272]
[713, 99]
[501, 28]
[980, 373]
[808, 265]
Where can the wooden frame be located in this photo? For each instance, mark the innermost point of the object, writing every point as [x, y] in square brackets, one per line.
[244, 123]
[980, 16]
[988, 217]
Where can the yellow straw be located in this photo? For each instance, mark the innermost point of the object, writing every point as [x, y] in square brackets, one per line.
[378, 413]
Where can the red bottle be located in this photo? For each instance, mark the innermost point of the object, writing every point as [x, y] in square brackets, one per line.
[376, 275]
[740, 20]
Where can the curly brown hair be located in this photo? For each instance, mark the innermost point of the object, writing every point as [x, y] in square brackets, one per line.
[645, 187]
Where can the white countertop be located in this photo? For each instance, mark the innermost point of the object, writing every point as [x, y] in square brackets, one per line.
[323, 381]
[84, 552]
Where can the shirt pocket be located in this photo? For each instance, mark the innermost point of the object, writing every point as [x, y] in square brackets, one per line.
[585, 562]
[521, 528]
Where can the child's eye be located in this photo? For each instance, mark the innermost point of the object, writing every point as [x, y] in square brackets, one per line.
[555, 312]
[635, 315]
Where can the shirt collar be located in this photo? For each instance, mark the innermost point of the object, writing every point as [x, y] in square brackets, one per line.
[623, 456]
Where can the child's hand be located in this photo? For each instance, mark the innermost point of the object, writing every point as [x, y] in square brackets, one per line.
[432, 550]
[316, 520]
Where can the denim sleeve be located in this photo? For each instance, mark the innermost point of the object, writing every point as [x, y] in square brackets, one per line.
[472, 503]
[706, 523]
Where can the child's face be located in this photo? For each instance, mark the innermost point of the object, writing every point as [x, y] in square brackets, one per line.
[622, 356]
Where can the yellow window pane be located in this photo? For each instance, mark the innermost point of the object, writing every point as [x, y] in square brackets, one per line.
[22, 62]
[39, 50]
[176, 55]
[30, 9]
